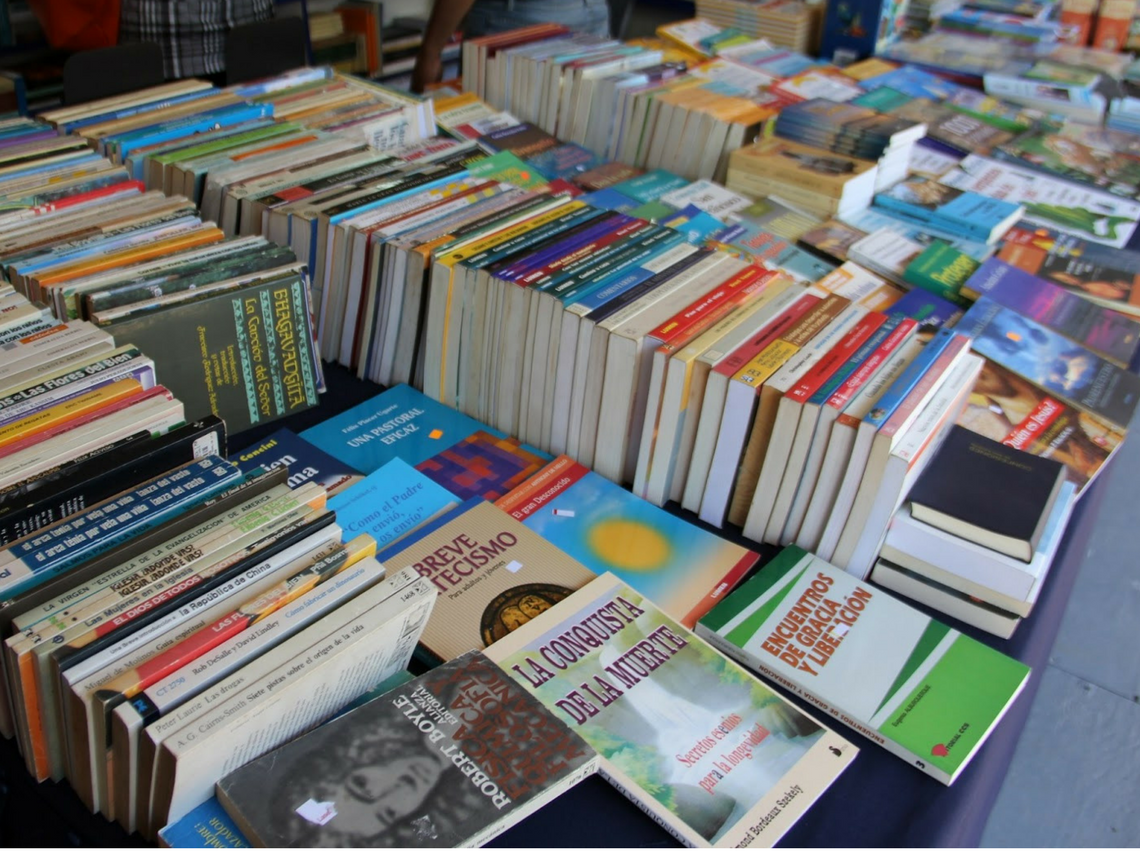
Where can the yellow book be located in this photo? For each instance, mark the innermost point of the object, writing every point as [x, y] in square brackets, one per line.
[65, 412]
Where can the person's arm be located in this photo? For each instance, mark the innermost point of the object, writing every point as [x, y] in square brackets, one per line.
[446, 16]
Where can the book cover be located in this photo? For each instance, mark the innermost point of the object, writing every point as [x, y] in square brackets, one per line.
[205, 826]
[609, 529]
[909, 683]
[711, 753]
[523, 140]
[942, 270]
[650, 186]
[390, 503]
[1113, 335]
[1104, 158]
[564, 161]
[305, 461]
[1060, 366]
[609, 199]
[1094, 273]
[492, 574]
[509, 167]
[987, 492]
[400, 423]
[254, 359]
[814, 169]
[1010, 409]
[606, 175]
[483, 465]
[450, 759]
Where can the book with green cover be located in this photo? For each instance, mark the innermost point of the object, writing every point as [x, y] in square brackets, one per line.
[909, 683]
[711, 753]
[942, 270]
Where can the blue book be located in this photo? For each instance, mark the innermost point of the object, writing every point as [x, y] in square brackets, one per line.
[930, 310]
[921, 200]
[756, 245]
[631, 271]
[844, 372]
[400, 423]
[390, 503]
[609, 199]
[205, 826]
[1057, 364]
[564, 161]
[905, 382]
[75, 539]
[126, 143]
[123, 113]
[651, 186]
[305, 461]
[693, 223]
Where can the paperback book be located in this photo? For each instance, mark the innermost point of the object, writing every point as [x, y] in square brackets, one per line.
[908, 683]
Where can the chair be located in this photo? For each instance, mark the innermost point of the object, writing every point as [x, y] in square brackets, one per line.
[265, 48]
[107, 71]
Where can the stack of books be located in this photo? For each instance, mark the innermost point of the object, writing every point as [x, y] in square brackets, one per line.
[814, 179]
[788, 23]
[971, 552]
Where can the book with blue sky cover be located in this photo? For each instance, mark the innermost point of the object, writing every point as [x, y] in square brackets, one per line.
[908, 682]
[609, 529]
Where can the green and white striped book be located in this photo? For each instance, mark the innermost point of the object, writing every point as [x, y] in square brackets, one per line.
[907, 682]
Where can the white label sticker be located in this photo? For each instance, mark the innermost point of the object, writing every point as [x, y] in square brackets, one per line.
[317, 812]
[514, 566]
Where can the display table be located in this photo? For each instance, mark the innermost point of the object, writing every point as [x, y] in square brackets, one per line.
[879, 801]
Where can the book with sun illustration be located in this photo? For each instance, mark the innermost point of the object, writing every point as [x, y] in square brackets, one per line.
[683, 568]
[492, 574]
[450, 759]
[909, 683]
[483, 465]
[711, 753]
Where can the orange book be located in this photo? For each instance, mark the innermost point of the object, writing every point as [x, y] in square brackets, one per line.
[65, 301]
[1113, 21]
[36, 424]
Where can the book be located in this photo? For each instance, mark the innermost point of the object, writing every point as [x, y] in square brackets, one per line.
[305, 462]
[492, 574]
[256, 361]
[482, 465]
[609, 529]
[397, 423]
[921, 690]
[924, 201]
[957, 493]
[1010, 409]
[942, 270]
[1108, 333]
[708, 751]
[206, 826]
[1062, 367]
[1100, 157]
[450, 759]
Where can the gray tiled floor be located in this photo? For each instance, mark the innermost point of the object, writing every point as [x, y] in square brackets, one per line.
[1075, 778]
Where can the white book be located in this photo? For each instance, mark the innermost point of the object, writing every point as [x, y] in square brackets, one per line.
[888, 480]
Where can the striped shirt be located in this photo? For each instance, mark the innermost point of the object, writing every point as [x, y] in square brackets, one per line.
[192, 33]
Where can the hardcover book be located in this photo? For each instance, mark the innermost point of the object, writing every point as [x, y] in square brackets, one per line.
[609, 529]
[492, 574]
[711, 753]
[942, 270]
[957, 493]
[907, 682]
[450, 759]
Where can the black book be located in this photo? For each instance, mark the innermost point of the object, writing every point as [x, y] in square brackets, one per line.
[449, 759]
[988, 493]
[71, 487]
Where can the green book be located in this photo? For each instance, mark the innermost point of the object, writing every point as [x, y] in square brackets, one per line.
[942, 270]
[908, 682]
[507, 166]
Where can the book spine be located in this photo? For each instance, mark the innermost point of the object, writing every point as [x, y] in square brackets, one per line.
[111, 523]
